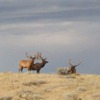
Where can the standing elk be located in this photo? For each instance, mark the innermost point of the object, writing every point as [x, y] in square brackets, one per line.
[38, 66]
[72, 68]
[27, 63]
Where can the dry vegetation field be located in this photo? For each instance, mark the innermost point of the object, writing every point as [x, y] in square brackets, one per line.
[25, 86]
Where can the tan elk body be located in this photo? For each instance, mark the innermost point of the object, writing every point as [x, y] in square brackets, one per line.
[27, 63]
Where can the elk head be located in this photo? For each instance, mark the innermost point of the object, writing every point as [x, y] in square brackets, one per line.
[72, 68]
[38, 66]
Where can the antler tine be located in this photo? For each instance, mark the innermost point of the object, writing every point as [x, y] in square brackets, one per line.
[78, 63]
[36, 55]
[27, 55]
[69, 61]
[39, 54]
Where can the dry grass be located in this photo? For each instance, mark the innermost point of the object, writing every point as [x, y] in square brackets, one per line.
[24, 86]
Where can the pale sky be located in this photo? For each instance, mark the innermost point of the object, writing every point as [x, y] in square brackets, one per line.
[60, 29]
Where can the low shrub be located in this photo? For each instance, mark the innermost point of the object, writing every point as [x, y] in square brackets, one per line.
[6, 98]
[62, 71]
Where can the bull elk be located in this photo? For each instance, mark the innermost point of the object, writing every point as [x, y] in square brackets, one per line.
[38, 66]
[27, 63]
[72, 68]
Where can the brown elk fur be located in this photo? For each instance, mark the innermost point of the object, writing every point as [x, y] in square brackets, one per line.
[73, 67]
[38, 66]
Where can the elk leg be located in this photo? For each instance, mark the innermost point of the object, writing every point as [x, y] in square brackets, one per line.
[20, 69]
[29, 70]
[38, 71]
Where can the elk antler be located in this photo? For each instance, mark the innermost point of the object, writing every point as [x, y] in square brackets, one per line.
[36, 55]
[69, 61]
[79, 63]
[39, 55]
[74, 65]
[28, 56]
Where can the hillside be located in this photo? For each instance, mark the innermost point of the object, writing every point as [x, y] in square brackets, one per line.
[24, 86]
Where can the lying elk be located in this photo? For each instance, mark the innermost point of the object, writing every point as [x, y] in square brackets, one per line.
[27, 63]
[38, 66]
[72, 68]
